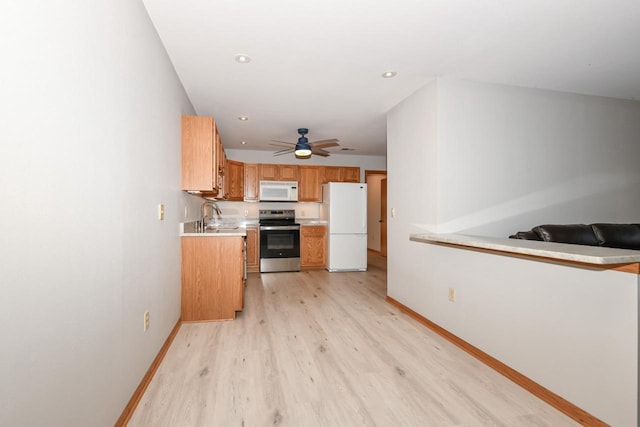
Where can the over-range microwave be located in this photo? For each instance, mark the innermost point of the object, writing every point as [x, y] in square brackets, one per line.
[278, 191]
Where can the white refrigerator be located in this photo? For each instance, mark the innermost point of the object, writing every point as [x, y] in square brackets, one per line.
[344, 206]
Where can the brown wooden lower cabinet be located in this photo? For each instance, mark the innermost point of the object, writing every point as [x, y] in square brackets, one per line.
[313, 246]
[212, 277]
[253, 250]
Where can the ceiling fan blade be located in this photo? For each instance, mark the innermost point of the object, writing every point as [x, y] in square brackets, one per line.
[281, 146]
[284, 142]
[285, 151]
[325, 143]
[319, 152]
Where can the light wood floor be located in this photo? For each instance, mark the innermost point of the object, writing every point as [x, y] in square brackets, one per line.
[325, 349]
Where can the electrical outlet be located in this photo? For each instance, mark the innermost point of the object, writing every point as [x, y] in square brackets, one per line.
[161, 212]
[246, 212]
[452, 294]
[302, 213]
[146, 320]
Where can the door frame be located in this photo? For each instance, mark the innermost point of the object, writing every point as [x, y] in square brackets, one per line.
[383, 174]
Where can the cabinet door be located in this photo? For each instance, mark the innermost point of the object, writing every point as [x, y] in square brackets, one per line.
[212, 273]
[287, 172]
[310, 185]
[253, 250]
[219, 178]
[268, 172]
[250, 182]
[199, 154]
[234, 180]
[350, 174]
[313, 244]
[331, 174]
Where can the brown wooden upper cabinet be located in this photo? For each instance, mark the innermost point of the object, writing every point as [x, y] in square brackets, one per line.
[310, 186]
[222, 157]
[350, 174]
[201, 152]
[341, 174]
[312, 178]
[234, 181]
[251, 182]
[288, 172]
[331, 174]
[274, 172]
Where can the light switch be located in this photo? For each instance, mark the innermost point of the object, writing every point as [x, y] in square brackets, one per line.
[393, 212]
[161, 212]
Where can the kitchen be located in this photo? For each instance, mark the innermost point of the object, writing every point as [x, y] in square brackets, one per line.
[277, 209]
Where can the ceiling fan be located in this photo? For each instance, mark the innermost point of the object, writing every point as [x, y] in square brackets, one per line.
[303, 149]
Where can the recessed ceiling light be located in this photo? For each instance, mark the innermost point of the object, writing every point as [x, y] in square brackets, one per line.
[243, 142]
[243, 59]
[243, 118]
[388, 74]
[347, 149]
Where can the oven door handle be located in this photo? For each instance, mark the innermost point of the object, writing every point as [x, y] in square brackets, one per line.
[279, 227]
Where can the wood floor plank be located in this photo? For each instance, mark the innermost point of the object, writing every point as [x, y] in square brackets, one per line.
[324, 349]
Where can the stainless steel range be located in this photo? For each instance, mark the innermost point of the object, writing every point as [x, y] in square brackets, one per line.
[279, 241]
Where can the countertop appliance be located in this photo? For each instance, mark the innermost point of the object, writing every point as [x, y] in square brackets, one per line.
[278, 191]
[344, 206]
[279, 241]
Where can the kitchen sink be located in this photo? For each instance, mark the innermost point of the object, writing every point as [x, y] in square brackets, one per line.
[220, 228]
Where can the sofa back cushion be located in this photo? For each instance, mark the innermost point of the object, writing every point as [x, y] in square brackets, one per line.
[578, 234]
[624, 236]
[525, 235]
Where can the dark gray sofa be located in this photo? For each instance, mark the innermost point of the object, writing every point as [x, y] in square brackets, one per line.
[623, 236]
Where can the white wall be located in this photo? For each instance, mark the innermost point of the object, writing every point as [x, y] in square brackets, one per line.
[512, 158]
[469, 157]
[412, 131]
[89, 146]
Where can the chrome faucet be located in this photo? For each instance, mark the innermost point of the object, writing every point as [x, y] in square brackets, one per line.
[213, 205]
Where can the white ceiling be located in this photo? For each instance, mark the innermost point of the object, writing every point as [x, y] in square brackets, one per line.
[318, 63]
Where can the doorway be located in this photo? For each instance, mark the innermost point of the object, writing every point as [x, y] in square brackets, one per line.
[376, 210]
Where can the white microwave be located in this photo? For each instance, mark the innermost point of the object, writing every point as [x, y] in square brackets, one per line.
[278, 191]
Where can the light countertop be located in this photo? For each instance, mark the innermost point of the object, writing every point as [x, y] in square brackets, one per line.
[188, 229]
[561, 251]
[316, 221]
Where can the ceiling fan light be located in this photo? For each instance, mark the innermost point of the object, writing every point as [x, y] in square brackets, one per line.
[303, 151]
